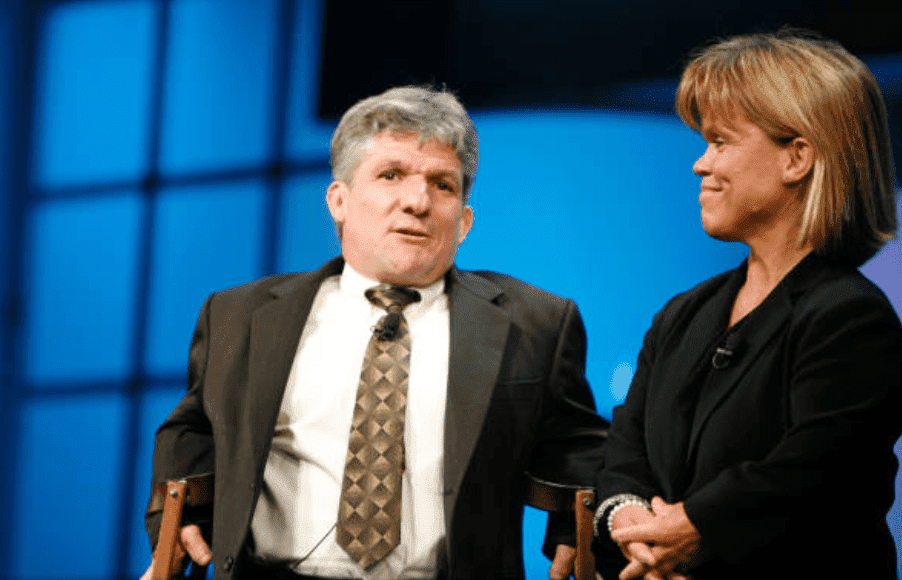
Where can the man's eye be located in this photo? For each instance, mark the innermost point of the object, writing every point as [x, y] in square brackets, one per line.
[445, 186]
[389, 174]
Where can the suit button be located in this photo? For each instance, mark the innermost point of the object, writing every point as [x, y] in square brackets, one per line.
[229, 562]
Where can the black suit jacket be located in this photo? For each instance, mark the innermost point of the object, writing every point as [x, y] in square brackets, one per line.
[517, 400]
[784, 458]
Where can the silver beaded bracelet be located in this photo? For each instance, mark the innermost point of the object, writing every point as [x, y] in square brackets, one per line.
[612, 505]
[616, 508]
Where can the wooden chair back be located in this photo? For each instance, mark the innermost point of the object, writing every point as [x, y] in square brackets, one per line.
[559, 498]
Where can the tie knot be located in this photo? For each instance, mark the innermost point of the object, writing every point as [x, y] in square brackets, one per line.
[392, 298]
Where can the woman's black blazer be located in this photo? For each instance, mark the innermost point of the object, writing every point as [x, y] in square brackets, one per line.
[784, 455]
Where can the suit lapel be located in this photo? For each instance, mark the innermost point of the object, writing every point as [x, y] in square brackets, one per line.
[479, 330]
[755, 338]
[692, 335]
[275, 331]
[755, 335]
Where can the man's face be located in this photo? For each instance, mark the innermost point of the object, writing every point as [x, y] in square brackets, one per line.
[404, 216]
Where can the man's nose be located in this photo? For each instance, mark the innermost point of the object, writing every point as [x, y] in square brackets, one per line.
[416, 198]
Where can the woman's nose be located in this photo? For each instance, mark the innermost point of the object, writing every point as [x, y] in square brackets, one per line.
[702, 165]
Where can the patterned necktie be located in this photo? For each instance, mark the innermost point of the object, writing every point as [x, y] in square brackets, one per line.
[369, 515]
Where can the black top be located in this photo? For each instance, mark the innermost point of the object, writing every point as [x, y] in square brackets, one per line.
[783, 454]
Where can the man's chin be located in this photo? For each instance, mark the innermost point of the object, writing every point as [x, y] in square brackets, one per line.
[414, 273]
[413, 279]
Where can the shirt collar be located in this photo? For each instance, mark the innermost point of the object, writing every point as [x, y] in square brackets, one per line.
[354, 283]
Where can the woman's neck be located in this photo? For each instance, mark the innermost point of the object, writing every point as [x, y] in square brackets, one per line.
[766, 269]
[768, 264]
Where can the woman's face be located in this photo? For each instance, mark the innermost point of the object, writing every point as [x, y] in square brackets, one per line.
[743, 190]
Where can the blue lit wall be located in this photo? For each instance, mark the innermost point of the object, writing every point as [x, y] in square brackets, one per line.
[173, 153]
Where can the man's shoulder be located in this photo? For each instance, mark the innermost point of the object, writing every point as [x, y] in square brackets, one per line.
[252, 295]
[279, 284]
[504, 288]
[265, 285]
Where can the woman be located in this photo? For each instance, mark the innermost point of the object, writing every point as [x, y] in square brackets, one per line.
[757, 437]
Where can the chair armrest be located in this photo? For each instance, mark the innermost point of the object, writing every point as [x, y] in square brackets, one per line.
[171, 497]
[573, 499]
[550, 496]
[198, 492]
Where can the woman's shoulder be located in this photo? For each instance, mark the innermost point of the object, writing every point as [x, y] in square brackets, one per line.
[840, 287]
[687, 302]
[837, 304]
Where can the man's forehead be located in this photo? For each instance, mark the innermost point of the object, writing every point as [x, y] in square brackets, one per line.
[397, 144]
[400, 136]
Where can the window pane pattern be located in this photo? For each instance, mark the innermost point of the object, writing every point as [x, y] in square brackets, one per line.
[114, 275]
[94, 81]
[308, 234]
[208, 238]
[70, 468]
[218, 84]
[81, 289]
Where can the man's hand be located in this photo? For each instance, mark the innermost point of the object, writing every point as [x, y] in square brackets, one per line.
[190, 540]
[670, 537]
[562, 565]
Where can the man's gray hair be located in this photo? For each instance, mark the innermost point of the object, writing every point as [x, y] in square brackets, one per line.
[430, 113]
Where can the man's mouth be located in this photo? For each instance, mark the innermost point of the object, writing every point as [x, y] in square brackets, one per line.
[412, 232]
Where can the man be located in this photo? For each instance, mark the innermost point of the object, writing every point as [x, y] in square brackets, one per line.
[482, 381]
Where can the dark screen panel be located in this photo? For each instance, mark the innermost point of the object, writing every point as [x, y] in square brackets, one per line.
[510, 53]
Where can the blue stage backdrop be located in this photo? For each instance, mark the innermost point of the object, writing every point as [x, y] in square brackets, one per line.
[597, 206]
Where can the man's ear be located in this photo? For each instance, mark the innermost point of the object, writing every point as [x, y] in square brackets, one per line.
[466, 222]
[799, 161]
[336, 200]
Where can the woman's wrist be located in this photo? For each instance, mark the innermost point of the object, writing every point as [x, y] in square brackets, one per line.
[606, 510]
[632, 503]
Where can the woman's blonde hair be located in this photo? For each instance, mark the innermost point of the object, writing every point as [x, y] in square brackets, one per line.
[795, 84]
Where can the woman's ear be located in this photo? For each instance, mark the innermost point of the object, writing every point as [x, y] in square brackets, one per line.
[799, 161]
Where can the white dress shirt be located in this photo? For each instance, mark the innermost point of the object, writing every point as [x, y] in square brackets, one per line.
[297, 511]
